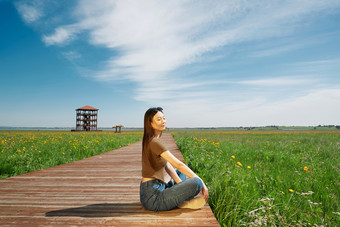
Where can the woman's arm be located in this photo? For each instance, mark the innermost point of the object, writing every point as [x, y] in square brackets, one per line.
[172, 172]
[167, 155]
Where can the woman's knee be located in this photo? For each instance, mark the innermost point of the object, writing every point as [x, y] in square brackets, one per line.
[198, 183]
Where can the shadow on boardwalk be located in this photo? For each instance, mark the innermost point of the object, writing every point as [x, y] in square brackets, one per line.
[99, 210]
[110, 210]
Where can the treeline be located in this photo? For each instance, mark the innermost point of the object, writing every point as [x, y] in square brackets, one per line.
[275, 127]
[330, 126]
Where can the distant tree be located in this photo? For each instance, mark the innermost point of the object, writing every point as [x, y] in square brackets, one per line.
[337, 127]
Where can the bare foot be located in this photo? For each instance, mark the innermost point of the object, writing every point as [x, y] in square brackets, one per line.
[195, 203]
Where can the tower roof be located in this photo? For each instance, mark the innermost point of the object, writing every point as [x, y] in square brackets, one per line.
[87, 108]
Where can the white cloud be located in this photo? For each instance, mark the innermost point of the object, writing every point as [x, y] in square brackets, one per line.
[281, 48]
[279, 81]
[285, 44]
[29, 11]
[317, 66]
[61, 36]
[317, 107]
[71, 55]
[154, 38]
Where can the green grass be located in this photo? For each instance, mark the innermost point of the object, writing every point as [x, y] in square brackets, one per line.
[264, 178]
[22, 152]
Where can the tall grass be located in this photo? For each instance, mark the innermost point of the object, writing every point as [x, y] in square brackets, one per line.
[274, 179]
[22, 152]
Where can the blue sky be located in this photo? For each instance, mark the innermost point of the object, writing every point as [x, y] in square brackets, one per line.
[207, 63]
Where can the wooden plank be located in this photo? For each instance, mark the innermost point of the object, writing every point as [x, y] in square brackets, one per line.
[99, 191]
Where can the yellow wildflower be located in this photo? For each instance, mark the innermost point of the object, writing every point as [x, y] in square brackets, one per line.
[249, 167]
[305, 168]
[291, 190]
[232, 156]
[239, 163]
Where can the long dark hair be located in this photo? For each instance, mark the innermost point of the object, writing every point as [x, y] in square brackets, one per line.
[149, 132]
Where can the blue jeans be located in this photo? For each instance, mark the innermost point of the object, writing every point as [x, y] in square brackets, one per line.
[158, 196]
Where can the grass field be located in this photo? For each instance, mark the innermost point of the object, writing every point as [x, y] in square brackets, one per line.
[267, 178]
[254, 178]
[22, 152]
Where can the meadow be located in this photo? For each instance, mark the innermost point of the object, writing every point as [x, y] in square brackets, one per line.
[254, 178]
[267, 178]
[26, 151]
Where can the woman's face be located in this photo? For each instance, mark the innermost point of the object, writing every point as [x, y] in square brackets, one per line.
[158, 121]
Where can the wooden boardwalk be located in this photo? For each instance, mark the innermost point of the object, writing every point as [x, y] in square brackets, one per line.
[99, 191]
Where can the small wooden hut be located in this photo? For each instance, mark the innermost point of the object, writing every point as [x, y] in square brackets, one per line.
[118, 128]
[86, 118]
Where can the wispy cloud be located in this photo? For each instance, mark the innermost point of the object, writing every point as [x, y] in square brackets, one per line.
[61, 36]
[279, 81]
[154, 38]
[71, 55]
[287, 44]
[317, 66]
[30, 11]
[313, 108]
[281, 48]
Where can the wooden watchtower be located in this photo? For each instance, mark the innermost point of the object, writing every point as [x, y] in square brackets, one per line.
[86, 118]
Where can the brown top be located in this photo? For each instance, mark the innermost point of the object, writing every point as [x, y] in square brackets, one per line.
[153, 165]
[87, 108]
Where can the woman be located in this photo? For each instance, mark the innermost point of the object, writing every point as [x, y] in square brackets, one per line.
[158, 192]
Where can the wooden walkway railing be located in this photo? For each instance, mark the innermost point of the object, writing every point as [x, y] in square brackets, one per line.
[99, 191]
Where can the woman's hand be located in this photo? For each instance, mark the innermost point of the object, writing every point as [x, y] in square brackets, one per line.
[205, 192]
